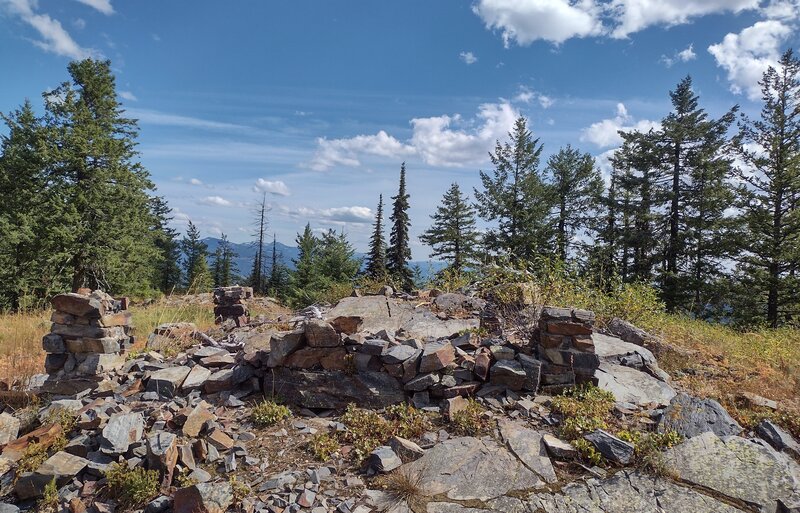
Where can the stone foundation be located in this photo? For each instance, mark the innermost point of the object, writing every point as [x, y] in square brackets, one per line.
[230, 303]
[89, 336]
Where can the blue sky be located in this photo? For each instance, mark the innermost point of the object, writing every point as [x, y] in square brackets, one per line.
[317, 103]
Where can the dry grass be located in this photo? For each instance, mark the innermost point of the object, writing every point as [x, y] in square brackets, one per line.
[21, 354]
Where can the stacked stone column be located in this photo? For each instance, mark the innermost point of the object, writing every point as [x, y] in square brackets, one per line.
[89, 334]
[565, 346]
[231, 303]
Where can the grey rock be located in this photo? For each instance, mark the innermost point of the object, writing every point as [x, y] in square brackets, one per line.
[382, 460]
[453, 302]
[8, 508]
[690, 417]
[399, 354]
[778, 438]
[470, 469]
[533, 371]
[611, 447]
[321, 334]
[158, 505]
[374, 346]
[559, 448]
[166, 382]
[737, 468]
[627, 492]
[196, 378]
[335, 389]
[627, 331]
[528, 445]
[422, 382]
[203, 498]
[632, 386]
[406, 449]
[436, 356]
[62, 466]
[9, 428]
[283, 344]
[508, 373]
[122, 430]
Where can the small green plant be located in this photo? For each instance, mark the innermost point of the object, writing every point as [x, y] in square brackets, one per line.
[408, 422]
[64, 417]
[649, 447]
[50, 499]
[240, 490]
[132, 488]
[182, 479]
[366, 429]
[587, 451]
[470, 421]
[268, 413]
[584, 409]
[323, 446]
[36, 453]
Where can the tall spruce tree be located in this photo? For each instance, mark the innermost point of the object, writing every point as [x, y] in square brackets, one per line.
[257, 279]
[305, 273]
[770, 198]
[278, 281]
[224, 267]
[167, 270]
[453, 235]
[92, 146]
[376, 256]
[399, 252]
[516, 197]
[577, 188]
[195, 263]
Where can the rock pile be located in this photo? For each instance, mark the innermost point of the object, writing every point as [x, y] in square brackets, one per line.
[231, 303]
[566, 347]
[89, 334]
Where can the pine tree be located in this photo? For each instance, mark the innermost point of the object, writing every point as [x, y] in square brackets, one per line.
[577, 188]
[167, 266]
[278, 273]
[31, 215]
[399, 252]
[257, 280]
[770, 197]
[305, 265]
[453, 235]
[195, 264]
[604, 255]
[336, 261]
[516, 197]
[106, 190]
[376, 257]
[224, 267]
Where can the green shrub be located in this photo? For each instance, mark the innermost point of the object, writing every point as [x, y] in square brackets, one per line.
[366, 430]
[49, 501]
[470, 421]
[584, 409]
[323, 446]
[587, 452]
[132, 488]
[408, 422]
[268, 413]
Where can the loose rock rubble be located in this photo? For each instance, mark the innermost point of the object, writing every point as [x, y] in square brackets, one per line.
[187, 417]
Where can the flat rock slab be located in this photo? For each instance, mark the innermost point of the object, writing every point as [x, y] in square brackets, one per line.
[529, 447]
[632, 386]
[737, 468]
[469, 468]
[334, 389]
[615, 350]
[381, 313]
[690, 416]
[627, 492]
[122, 430]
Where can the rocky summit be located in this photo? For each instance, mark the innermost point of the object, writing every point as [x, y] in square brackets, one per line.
[392, 402]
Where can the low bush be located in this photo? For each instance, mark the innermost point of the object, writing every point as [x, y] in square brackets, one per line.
[323, 446]
[131, 487]
[470, 421]
[583, 409]
[267, 413]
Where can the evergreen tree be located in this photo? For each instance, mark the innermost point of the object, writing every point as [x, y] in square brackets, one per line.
[577, 187]
[167, 266]
[257, 279]
[195, 263]
[224, 268]
[516, 197]
[305, 273]
[31, 215]
[604, 255]
[336, 261]
[278, 281]
[106, 190]
[453, 235]
[770, 197]
[376, 257]
[399, 252]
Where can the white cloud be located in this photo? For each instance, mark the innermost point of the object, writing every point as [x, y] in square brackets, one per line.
[334, 215]
[127, 95]
[104, 6]
[468, 57]
[782, 10]
[55, 38]
[635, 15]
[218, 201]
[152, 117]
[746, 55]
[195, 181]
[79, 23]
[526, 21]
[278, 188]
[684, 55]
[439, 144]
[346, 152]
[605, 133]
[527, 95]
[443, 141]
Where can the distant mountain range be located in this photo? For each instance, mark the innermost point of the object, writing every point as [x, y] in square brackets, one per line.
[246, 253]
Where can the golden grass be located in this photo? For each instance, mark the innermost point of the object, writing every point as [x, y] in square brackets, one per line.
[21, 354]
